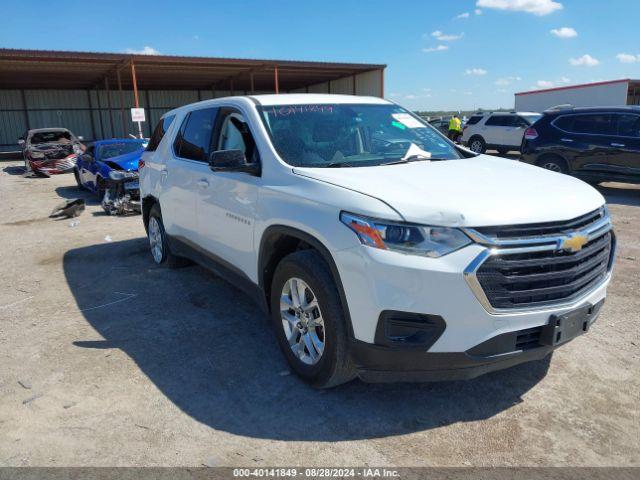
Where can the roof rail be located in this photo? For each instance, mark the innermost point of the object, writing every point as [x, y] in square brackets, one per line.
[563, 106]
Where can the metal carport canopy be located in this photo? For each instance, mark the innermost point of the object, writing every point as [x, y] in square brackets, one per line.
[32, 69]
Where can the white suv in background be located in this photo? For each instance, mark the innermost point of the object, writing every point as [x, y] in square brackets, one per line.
[378, 247]
[501, 131]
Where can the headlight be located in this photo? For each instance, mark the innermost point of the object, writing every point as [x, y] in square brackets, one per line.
[121, 175]
[36, 154]
[77, 149]
[415, 239]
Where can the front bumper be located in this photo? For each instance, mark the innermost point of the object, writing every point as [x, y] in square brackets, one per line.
[53, 166]
[384, 363]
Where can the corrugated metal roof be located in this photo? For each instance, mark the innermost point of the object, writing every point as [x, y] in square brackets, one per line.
[63, 69]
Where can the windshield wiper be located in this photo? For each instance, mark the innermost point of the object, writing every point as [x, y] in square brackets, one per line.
[339, 165]
[411, 158]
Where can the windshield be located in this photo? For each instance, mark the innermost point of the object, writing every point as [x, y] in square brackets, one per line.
[531, 119]
[114, 149]
[328, 135]
[51, 137]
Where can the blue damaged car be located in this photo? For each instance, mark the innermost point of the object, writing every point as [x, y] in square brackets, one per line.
[109, 168]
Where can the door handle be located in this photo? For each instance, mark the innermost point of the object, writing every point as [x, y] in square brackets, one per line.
[202, 183]
[568, 140]
[618, 145]
[163, 175]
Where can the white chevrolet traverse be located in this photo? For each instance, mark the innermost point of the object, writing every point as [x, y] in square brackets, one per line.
[379, 248]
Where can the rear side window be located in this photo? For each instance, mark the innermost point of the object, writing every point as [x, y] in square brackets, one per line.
[594, 124]
[194, 139]
[500, 121]
[628, 125]
[161, 128]
[529, 119]
[475, 119]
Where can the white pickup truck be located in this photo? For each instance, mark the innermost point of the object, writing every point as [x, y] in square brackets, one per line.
[379, 248]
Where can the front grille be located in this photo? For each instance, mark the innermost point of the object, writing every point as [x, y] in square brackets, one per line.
[540, 230]
[530, 279]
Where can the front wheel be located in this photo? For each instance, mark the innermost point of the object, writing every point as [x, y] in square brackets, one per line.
[77, 177]
[309, 320]
[477, 145]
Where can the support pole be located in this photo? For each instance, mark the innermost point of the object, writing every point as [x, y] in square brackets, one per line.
[135, 93]
[231, 90]
[135, 84]
[106, 87]
[122, 115]
[275, 79]
[382, 83]
[253, 90]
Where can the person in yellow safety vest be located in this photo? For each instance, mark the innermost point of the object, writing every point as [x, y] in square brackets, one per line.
[455, 128]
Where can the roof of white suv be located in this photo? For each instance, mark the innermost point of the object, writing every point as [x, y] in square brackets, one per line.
[286, 99]
[504, 113]
[305, 98]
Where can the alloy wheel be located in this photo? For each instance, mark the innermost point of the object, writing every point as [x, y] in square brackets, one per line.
[155, 239]
[476, 146]
[302, 321]
[554, 167]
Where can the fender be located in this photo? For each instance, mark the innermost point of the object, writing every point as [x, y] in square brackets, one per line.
[266, 247]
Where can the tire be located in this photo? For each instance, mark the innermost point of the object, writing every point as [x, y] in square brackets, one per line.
[77, 177]
[100, 188]
[477, 144]
[158, 243]
[307, 270]
[553, 163]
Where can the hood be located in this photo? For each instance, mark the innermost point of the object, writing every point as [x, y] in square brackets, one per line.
[473, 192]
[128, 161]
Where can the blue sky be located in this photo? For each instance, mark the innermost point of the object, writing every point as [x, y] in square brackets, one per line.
[441, 54]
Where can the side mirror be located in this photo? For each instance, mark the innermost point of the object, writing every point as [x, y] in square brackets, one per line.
[80, 137]
[232, 161]
[21, 142]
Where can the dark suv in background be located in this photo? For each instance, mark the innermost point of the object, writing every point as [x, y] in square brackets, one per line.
[595, 144]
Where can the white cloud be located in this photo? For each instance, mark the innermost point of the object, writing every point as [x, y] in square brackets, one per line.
[410, 97]
[585, 60]
[628, 58]
[544, 84]
[467, 93]
[463, 15]
[551, 83]
[564, 32]
[536, 7]
[477, 11]
[475, 71]
[439, 48]
[441, 37]
[505, 81]
[146, 50]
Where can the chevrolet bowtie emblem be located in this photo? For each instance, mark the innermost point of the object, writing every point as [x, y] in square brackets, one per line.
[573, 243]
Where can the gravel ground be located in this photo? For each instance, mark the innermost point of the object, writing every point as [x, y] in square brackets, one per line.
[108, 360]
